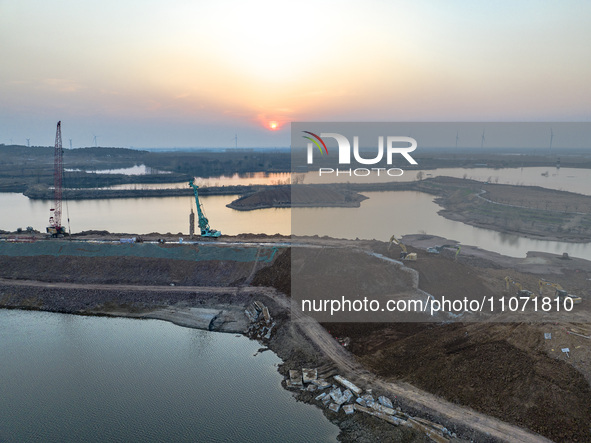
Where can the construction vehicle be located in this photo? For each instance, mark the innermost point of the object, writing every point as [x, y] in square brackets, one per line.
[520, 291]
[438, 249]
[55, 228]
[560, 291]
[404, 254]
[203, 223]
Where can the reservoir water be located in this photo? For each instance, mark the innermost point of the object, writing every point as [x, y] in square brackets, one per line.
[97, 379]
[380, 216]
[564, 179]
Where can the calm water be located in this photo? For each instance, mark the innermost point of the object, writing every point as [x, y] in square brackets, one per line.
[143, 215]
[564, 179]
[383, 214]
[409, 212]
[252, 178]
[133, 170]
[90, 379]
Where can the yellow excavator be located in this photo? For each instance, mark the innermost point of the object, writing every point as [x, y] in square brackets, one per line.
[404, 254]
[560, 292]
[520, 291]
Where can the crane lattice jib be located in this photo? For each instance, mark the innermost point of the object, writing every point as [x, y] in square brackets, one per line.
[58, 177]
[203, 222]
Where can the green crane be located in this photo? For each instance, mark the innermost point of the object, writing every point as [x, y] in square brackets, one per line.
[206, 231]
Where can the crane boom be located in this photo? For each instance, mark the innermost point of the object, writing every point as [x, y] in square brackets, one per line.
[55, 227]
[203, 223]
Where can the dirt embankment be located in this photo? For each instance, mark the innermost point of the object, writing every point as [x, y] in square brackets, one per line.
[505, 370]
[144, 292]
[298, 196]
[278, 275]
[46, 193]
[528, 211]
[124, 270]
[501, 370]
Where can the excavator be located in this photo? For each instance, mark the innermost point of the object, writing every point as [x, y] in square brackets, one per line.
[404, 254]
[438, 249]
[206, 231]
[560, 292]
[520, 291]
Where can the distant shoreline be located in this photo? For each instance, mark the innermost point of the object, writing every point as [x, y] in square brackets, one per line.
[527, 211]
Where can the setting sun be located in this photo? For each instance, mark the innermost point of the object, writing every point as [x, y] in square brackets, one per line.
[273, 125]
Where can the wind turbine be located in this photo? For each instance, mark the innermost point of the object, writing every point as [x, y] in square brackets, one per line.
[551, 138]
[482, 141]
[28, 143]
[94, 140]
[70, 143]
[236, 140]
[457, 138]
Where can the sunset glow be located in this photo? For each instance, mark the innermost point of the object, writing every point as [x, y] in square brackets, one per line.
[191, 73]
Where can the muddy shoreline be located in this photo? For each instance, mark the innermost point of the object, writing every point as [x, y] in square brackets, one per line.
[294, 352]
[525, 211]
[216, 316]
[173, 289]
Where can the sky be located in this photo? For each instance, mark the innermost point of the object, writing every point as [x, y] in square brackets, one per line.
[188, 73]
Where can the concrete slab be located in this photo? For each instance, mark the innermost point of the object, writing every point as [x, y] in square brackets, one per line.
[321, 383]
[347, 384]
[296, 377]
[334, 407]
[309, 375]
[349, 409]
[385, 401]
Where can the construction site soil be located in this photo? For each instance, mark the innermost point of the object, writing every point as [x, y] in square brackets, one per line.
[141, 287]
[504, 370]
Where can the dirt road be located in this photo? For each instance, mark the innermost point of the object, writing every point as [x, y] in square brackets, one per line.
[463, 416]
[197, 290]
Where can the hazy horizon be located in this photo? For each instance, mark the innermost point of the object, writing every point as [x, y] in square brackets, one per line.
[197, 74]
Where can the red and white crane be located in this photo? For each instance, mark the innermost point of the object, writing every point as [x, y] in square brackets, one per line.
[55, 227]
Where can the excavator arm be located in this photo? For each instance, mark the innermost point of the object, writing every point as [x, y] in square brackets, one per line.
[520, 291]
[560, 291]
[404, 255]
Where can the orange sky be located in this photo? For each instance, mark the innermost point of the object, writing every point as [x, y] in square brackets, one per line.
[181, 73]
